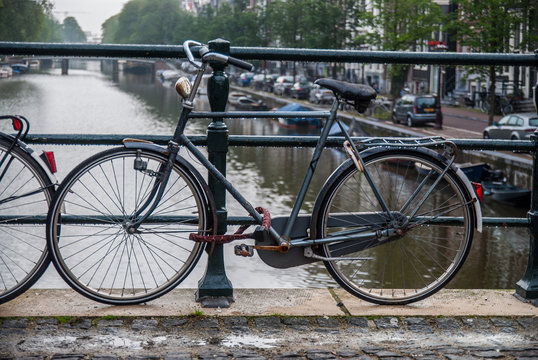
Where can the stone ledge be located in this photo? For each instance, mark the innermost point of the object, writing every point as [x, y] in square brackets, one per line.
[264, 302]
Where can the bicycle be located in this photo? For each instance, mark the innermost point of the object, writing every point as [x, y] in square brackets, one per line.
[27, 184]
[392, 224]
[503, 105]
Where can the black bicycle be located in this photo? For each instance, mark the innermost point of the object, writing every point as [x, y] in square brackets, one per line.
[393, 223]
[27, 185]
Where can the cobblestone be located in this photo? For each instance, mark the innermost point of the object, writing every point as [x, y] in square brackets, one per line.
[269, 337]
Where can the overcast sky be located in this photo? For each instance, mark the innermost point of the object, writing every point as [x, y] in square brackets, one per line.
[90, 14]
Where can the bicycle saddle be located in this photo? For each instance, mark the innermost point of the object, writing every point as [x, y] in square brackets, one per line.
[358, 94]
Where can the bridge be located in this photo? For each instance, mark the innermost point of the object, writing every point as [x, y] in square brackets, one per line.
[214, 287]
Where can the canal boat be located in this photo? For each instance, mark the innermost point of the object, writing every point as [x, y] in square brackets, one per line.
[298, 122]
[506, 193]
[234, 96]
[19, 68]
[247, 103]
[5, 71]
[495, 186]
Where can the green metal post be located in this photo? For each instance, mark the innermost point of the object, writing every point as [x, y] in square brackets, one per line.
[527, 287]
[215, 289]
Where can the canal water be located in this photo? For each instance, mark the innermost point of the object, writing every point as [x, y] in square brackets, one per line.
[89, 102]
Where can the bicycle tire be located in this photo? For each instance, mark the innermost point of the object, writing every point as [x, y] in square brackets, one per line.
[88, 238]
[23, 248]
[419, 262]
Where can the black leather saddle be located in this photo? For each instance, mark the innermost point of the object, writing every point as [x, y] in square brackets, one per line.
[358, 95]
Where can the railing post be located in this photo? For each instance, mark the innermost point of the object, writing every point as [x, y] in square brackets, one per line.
[527, 287]
[215, 289]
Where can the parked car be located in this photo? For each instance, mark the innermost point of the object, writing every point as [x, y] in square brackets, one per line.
[415, 109]
[245, 79]
[319, 95]
[283, 85]
[257, 81]
[301, 90]
[513, 127]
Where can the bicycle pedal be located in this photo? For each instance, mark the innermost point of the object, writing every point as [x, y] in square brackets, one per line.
[244, 250]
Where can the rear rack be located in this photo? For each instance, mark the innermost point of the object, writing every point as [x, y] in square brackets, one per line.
[434, 141]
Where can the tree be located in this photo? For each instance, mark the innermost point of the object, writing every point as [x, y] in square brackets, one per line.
[399, 25]
[490, 26]
[110, 28]
[22, 20]
[72, 31]
[51, 31]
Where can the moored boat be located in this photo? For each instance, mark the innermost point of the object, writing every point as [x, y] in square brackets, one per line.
[298, 122]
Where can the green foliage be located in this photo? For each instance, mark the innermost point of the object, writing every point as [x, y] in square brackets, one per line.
[72, 32]
[32, 20]
[51, 31]
[403, 24]
[110, 28]
[491, 24]
[22, 20]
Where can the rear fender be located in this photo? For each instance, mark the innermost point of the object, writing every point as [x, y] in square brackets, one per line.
[24, 147]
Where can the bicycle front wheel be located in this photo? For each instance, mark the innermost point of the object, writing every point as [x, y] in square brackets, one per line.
[94, 249]
[437, 222]
[25, 195]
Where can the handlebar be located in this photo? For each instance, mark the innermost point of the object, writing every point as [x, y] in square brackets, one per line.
[213, 56]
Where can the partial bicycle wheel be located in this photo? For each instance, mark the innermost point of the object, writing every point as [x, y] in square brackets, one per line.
[437, 222]
[88, 231]
[25, 195]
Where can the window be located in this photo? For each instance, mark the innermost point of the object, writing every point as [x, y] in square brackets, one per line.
[533, 121]
[504, 120]
[513, 121]
[425, 102]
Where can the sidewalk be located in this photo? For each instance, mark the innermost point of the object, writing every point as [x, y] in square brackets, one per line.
[271, 324]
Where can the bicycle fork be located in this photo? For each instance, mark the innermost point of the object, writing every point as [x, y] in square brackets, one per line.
[157, 191]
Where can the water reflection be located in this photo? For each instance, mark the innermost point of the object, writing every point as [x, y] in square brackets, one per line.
[86, 101]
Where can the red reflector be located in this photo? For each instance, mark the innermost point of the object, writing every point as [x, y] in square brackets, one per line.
[17, 124]
[530, 130]
[50, 160]
[478, 189]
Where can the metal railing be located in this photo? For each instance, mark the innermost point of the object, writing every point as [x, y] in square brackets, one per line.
[215, 285]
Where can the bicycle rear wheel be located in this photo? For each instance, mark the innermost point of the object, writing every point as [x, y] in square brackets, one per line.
[91, 244]
[25, 194]
[434, 243]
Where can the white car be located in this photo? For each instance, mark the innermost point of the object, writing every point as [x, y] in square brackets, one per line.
[513, 127]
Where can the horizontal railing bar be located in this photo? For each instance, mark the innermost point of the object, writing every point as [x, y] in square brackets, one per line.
[260, 114]
[393, 57]
[92, 50]
[264, 53]
[254, 140]
[232, 220]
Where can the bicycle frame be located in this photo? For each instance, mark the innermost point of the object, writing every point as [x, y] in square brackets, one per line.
[283, 239]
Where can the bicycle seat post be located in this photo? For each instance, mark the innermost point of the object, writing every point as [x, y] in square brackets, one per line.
[215, 289]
